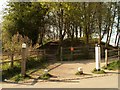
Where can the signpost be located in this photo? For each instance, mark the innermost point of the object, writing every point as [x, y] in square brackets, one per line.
[23, 63]
[71, 49]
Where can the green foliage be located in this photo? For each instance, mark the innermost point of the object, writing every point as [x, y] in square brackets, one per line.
[11, 44]
[115, 65]
[28, 19]
[33, 63]
[14, 72]
[45, 76]
[43, 22]
[19, 77]
[8, 72]
[98, 71]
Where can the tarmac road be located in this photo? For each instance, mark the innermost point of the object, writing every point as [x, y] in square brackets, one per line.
[97, 82]
[108, 81]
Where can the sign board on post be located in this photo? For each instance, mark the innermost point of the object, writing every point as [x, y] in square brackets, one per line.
[24, 45]
[97, 56]
[72, 49]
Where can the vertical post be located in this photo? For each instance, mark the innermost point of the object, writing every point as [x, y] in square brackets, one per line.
[27, 52]
[118, 53]
[71, 55]
[71, 49]
[61, 53]
[23, 63]
[97, 57]
[106, 57]
[38, 53]
[44, 54]
[12, 55]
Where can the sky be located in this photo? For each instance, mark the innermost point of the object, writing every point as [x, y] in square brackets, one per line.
[2, 6]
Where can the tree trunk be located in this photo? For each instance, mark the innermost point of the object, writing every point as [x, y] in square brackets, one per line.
[76, 32]
[100, 22]
[112, 25]
[12, 59]
[116, 38]
[118, 23]
[118, 43]
[80, 31]
[72, 35]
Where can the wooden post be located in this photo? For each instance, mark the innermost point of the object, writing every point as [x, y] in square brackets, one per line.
[61, 53]
[44, 56]
[23, 63]
[71, 49]
[106, 57]
[38, 53]
[12, 58]
[27, 52]
[71, 55]
[118, 53]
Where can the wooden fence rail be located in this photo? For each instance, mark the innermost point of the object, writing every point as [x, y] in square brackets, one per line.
[76, 52]
[7, 57]
[115, 53]
[9, 61]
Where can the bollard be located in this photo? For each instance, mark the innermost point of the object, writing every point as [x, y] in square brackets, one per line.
[80, 70]
[46, 71]
[97, 57]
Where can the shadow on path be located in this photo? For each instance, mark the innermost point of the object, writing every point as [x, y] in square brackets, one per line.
[36, 79]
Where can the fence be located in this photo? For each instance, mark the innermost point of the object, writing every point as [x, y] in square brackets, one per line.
[11, 57]
[75, 53]
[114, 53]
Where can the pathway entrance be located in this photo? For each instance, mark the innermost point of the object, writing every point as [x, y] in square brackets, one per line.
[67, 70]
[65, 73]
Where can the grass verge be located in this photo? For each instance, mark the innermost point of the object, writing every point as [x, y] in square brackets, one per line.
[115, 65]
[95, 71]
[45, 76]
[79, 73]
[13, 73]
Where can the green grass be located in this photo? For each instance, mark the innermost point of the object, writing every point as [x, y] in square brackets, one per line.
[13, 73]
[98, 72]
[8, 72]
[19, 77]
[45, 76]
[115, 65]
[79, 73]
